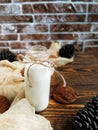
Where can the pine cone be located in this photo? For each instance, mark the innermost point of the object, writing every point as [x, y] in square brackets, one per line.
[7, 55]
[67, 51]
[87, 118]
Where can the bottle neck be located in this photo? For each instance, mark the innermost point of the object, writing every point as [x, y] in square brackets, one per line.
[38, 53]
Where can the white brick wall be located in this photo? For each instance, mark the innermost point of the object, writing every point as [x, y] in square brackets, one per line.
[24, 23]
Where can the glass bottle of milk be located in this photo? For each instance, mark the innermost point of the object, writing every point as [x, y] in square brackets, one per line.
[38, 77]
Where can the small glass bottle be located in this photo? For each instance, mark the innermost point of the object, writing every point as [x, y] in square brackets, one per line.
[37, 77]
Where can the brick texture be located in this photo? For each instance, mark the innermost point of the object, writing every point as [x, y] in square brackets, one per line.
[5, 1]
[17, 45]
[24, 23]
[8, 37]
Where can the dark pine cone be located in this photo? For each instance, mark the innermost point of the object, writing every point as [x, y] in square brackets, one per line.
[87, 118]
[7, 55]
[67, 51]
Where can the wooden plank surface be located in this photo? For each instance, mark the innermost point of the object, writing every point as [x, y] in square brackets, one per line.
[82, 75]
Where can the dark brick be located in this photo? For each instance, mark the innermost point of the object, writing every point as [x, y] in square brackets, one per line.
[4, 44]
[45, 18]
[93, 18]
[27, 1]
[68, 8]
[59, 18]
[29, 37]
[40, 8]
[36, 0]
[82, 0]
[71, 8]
[15, 19]
[53, 8]
[89, 36]
[74, 18]
[5, 1]
[59, 8]
[64, 37]
[8, 37]
[70, 27]
[27, 8]
[93, 8]
[91, 43]
[18, 45]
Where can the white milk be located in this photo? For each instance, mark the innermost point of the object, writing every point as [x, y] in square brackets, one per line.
[37, 77]
[37, 85]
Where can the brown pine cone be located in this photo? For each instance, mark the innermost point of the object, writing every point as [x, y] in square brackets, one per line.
[7, 55]
[67, 51]
[4, 104]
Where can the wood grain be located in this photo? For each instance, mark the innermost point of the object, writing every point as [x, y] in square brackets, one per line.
[82, 75]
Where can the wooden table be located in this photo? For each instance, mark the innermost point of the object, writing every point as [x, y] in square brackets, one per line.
[82, 75]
